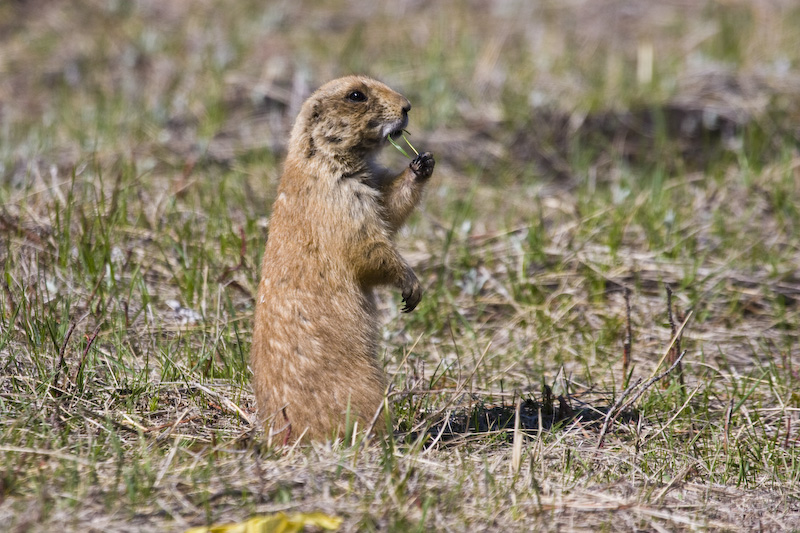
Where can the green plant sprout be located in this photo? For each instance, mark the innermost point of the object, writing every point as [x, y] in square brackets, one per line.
[402, 151]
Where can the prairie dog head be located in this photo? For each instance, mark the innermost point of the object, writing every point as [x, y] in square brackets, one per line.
[348, 118]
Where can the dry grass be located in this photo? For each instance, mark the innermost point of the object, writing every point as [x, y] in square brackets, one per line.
[583, 149]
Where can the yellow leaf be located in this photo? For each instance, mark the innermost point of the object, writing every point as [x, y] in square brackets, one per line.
[275, 523]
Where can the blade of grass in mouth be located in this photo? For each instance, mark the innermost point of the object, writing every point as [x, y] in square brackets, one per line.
[400, 148]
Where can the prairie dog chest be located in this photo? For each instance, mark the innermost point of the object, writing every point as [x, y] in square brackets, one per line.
[363, 202]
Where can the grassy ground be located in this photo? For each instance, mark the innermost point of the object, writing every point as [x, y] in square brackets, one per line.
[583, 149]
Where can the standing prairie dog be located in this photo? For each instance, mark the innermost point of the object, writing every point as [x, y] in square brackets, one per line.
[315, 339]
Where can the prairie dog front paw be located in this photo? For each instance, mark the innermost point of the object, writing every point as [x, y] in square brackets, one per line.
[412, 291]
[422, 166]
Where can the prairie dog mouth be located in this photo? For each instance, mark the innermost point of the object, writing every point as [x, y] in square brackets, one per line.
[394, 129]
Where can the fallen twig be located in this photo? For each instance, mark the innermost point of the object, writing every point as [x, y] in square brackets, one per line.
[460, 388]
[61, 354]
[86, 352]
[613, 408]
[611, 416]
[378, 411]
[676, 346]
[652, 380]
[626, 346]
[224, 402]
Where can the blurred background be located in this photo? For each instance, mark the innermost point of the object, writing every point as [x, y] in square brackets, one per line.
[505, 86]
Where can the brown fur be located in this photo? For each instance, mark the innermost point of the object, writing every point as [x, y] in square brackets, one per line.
[314, 353]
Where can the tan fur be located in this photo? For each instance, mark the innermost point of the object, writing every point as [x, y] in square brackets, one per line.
[314, 353]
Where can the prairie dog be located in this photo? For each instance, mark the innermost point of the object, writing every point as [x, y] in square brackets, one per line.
[315, 338]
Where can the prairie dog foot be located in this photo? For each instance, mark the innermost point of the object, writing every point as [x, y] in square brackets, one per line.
[422, 166]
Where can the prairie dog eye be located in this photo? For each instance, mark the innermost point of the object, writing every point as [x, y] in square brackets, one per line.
[356, 96]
